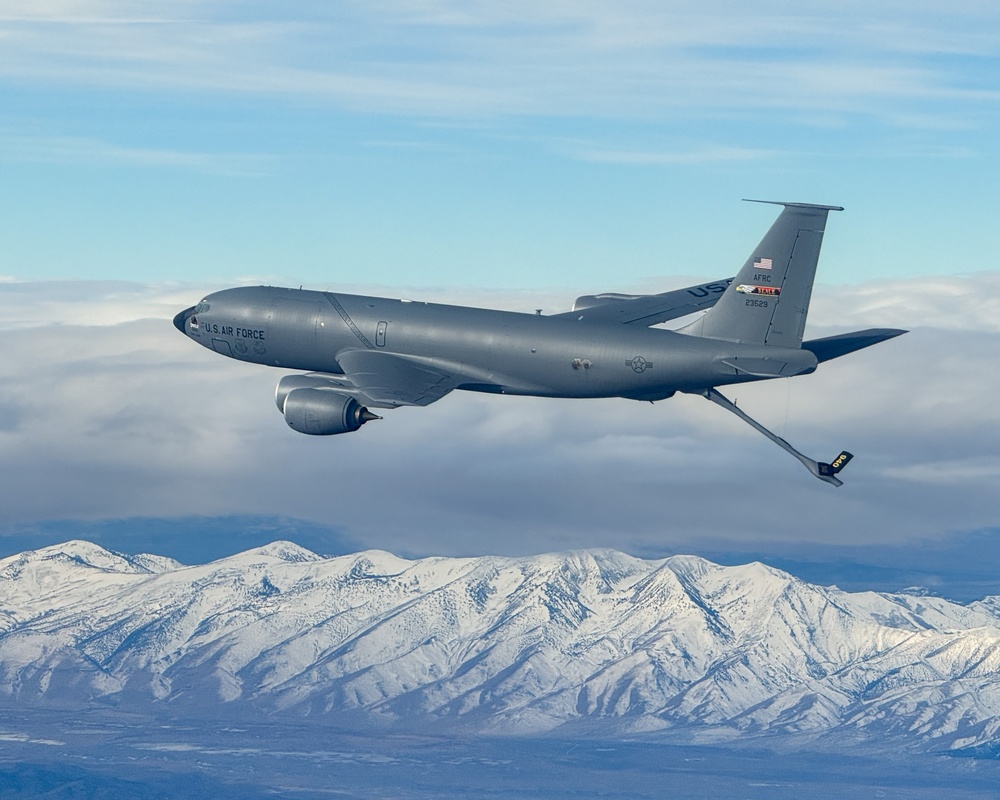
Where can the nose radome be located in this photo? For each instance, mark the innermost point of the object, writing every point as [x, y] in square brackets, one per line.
[180, 321]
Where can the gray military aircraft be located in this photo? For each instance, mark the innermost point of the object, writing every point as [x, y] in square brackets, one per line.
[372, 352]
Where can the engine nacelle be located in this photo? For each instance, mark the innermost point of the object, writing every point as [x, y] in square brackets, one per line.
[321, 412]
[290, 383]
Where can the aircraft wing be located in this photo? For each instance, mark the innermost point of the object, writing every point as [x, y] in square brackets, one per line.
[646, 309]
[387, 380]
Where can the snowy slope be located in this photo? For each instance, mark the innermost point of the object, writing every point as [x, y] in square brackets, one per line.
[494, 643]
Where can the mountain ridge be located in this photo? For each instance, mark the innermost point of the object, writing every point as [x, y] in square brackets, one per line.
[500, 644]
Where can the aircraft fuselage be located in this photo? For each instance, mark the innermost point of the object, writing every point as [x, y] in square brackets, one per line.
[493, 351]
[361, 353]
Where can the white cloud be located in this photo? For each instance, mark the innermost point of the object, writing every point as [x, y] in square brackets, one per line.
[113, 420]
[28, 304]
[634, 59]
[65, 149]
[957, 472]
[961, 302]
[699, 155]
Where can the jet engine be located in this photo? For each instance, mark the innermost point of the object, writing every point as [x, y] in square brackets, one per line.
[321, 412]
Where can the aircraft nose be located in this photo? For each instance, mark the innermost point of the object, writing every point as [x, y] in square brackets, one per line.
[180, 321]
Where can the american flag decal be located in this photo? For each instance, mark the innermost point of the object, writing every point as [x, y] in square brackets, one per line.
[762, 263]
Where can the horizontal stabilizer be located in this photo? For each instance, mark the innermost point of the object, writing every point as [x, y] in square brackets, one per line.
[836, 346]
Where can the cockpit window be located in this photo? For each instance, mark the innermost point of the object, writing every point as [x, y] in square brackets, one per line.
[201, 308]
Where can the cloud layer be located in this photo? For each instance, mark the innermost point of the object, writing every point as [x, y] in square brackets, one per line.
[108, 413]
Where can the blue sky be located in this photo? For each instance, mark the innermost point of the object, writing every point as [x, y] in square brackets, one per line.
[514, 145]
[511, 155]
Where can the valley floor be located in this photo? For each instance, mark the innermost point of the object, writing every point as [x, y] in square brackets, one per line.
[108, 754]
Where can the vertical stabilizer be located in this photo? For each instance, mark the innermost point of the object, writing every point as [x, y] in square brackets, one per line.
[768, 301]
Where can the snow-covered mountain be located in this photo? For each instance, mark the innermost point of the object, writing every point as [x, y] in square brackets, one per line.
[498, 644]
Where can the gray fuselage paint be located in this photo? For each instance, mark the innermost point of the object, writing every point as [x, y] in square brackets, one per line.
[485, 350]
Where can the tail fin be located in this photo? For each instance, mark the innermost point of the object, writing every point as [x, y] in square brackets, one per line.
[768, 300]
